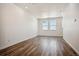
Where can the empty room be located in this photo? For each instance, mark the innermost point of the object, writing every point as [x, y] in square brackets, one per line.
[39, 29]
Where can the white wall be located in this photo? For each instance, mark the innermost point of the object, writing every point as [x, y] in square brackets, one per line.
[57, 32]
[16, 25]
[71, 28]
[50, 13]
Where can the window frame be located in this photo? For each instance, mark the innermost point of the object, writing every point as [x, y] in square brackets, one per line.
[49, 26]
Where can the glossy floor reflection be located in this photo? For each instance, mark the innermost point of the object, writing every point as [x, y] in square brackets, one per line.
[40, 46]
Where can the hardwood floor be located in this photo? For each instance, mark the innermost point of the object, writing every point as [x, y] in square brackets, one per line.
[40, 46]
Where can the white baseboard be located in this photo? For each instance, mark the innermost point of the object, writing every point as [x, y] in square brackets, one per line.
[73, 47]
[31, 36]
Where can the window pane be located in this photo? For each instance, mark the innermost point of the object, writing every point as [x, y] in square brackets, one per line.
[52, 27]
[52, 22]
[45, 27]
[45, 22]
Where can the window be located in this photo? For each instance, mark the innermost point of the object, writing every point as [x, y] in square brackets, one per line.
[49, 24]
[45, 24]
[52, 24]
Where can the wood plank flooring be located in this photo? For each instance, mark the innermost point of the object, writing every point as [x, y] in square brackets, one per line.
[40, 46]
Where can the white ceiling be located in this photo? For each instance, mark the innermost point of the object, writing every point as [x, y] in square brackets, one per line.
[42, 7]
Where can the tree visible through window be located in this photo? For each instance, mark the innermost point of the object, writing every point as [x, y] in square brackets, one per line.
[49, 24]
